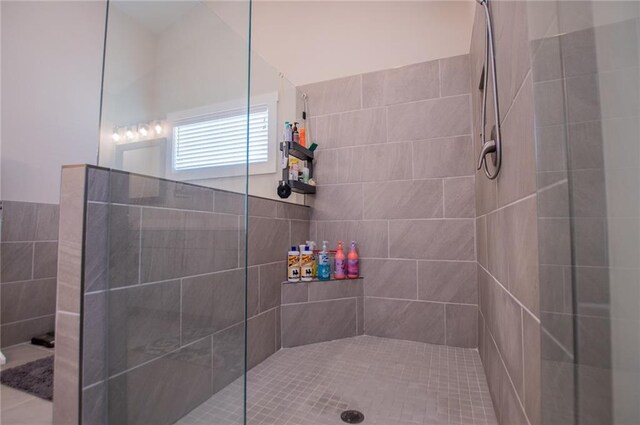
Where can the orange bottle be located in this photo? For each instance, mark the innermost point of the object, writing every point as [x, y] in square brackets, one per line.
[341, 263]
[353, 260]
[303, 137]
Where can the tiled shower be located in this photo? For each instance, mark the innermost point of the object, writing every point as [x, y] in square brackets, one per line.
[481, 301]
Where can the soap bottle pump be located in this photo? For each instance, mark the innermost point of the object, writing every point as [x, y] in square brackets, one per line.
[341, 263]
[324, 269]
[353, 260]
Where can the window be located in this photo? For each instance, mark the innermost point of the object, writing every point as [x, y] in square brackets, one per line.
[211, 142]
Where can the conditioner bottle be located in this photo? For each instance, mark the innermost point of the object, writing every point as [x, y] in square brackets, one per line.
[341, 263]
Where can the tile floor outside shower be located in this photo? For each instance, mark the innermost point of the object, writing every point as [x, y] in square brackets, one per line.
[18, 407]
[392, 382]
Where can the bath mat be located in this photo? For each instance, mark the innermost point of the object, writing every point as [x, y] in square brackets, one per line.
[35, 378]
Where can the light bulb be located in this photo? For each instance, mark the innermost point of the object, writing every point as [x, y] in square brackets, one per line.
[129, 134]
[115, 136]
[143, 130]
[158, 128]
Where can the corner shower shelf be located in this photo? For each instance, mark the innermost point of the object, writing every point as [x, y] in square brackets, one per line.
[301, 187]
[286, 282]
[302, 153]
[299, 151]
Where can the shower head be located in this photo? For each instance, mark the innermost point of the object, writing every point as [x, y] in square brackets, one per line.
[482, 2]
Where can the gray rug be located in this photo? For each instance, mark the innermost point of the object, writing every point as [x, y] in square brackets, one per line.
[35, 378]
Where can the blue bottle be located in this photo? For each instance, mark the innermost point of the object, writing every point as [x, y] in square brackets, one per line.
[324, 269]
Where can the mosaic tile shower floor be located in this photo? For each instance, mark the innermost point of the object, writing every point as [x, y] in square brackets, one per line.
[392, 382]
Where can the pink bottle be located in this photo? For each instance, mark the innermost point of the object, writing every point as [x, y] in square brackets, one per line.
[353, 266]
[341, 263]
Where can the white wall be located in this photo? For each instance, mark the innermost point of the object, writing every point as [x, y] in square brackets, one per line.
[51, 71]
[311, 41]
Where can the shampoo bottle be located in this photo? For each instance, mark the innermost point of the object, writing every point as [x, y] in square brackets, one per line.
[324, 269]
[312, 247]
[341, 263]
[306, 263]
[286, 136]
[353, 266]
[293, 267]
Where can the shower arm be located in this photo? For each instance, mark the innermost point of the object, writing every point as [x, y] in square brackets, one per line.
[493, 146]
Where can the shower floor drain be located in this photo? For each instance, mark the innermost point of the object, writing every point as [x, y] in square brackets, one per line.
[352, 417]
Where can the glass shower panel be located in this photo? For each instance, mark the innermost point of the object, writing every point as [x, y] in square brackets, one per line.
[587, 102]
[174, 113]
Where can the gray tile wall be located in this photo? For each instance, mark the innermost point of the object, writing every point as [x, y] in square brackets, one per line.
[395, 173]
[321, 311]
[164, 289]
[588, 204]
[506, 222]
[28, 262]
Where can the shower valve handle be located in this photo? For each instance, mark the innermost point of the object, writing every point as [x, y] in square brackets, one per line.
[488, 147]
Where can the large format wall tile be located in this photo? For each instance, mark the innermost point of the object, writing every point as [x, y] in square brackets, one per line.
[374, 163]
[29, 221]
[446, 281]
[446, 239]
[96, 264]
[164, 390]
[518, 174]
[454, 75]
[522, 252]
[45, 259]
[27, 300]
[183, 243]
[400, 85]
[335, 290]
[337, 202]
[15, 333]
[144, 323]
[511, 35]
[211, 303]
[94, 342]
[430, 119]
[16, 258]
[268, 240]
[409, 320]
[124, 245]
[390, 278]
[354, 128]
[261, 334]
[228, 356]
[271, 278]
[318, 321]
[459, 197]
[532, 390]
[403, 199]
[461, 325]
[447, 157]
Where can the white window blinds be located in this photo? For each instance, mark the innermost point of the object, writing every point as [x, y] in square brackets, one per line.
[219, 139]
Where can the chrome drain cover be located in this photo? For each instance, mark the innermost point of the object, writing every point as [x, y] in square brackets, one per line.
[352, 417]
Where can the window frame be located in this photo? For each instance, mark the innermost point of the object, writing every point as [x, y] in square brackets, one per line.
[195, 115]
